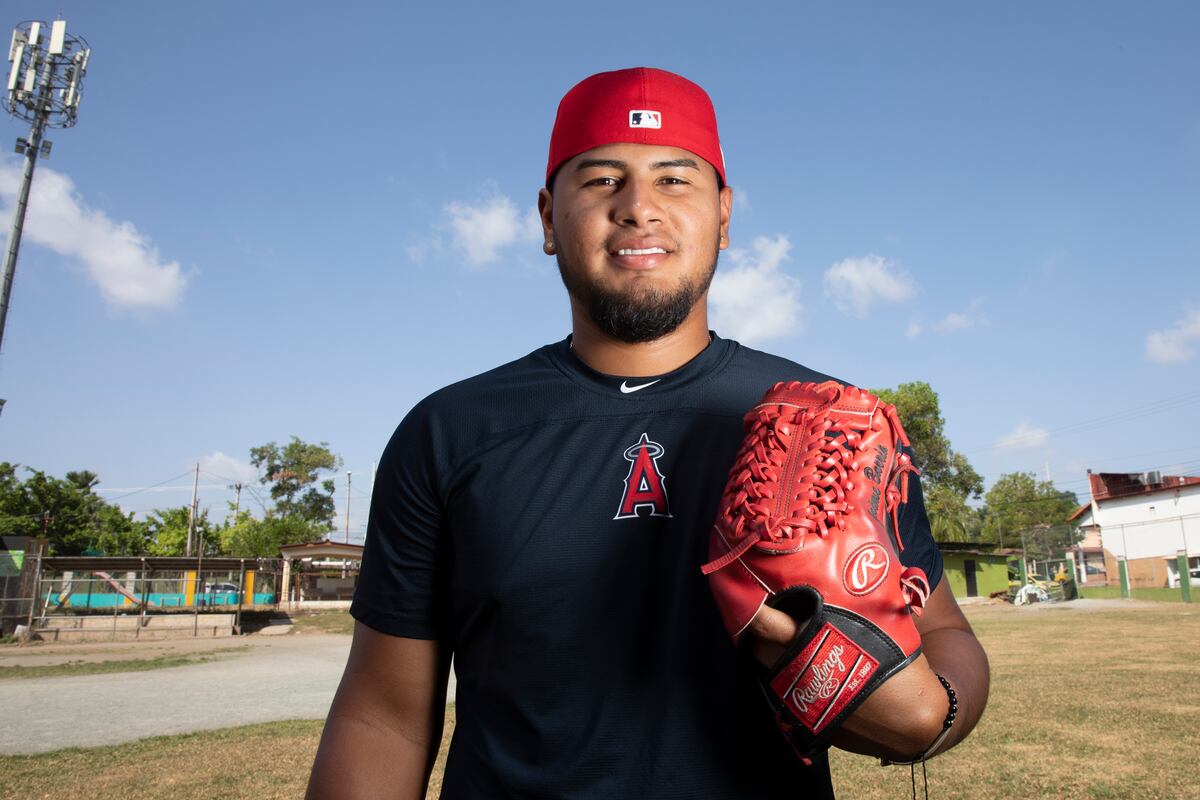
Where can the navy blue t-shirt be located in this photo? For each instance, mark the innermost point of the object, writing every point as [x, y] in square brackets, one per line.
[547, 522]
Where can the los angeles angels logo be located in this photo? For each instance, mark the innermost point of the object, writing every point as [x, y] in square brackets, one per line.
[645, 486]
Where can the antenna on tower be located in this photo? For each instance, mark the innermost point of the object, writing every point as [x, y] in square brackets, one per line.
[46, 70]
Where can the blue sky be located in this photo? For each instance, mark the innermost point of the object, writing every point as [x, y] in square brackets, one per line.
[280, 219]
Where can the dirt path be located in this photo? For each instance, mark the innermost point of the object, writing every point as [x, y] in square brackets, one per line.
[257, 679]
[280, 677]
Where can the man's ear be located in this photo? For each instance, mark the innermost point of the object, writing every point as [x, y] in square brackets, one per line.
[545, 205]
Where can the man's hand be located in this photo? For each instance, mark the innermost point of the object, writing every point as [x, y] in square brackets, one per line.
[904, 715]
[383, 731]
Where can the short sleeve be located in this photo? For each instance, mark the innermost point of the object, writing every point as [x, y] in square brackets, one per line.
[920, 550]
[402, 583]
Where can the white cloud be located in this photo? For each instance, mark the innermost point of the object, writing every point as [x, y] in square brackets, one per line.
[483, 229]
[960, 320]
[955, 321]
[856, 284]
[1023, 437]
[1174, 345]
[219, 465]
[120, 260]
[755, 300]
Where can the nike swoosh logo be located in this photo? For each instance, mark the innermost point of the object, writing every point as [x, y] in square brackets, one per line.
[626, 389]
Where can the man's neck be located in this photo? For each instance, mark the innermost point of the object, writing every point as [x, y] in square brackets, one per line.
[613, 357]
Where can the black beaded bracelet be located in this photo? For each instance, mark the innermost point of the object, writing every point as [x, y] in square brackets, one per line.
[946, 725]
[953, 712]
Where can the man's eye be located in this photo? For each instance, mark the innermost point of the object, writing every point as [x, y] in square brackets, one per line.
[674, 180]
[604, 180]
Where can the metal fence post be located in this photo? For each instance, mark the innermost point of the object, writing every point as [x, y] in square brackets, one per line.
[1185, 577]
[241, 588]
[1123, 570]
[33, 603]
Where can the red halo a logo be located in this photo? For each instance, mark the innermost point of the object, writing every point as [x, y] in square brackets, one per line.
[865, 569]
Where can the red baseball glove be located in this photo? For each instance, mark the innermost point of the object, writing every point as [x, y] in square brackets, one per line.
[808, 524]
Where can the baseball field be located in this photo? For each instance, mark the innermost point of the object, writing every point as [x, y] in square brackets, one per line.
[1090, 699]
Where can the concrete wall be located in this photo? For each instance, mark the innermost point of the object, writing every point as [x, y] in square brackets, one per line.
[1149, 526]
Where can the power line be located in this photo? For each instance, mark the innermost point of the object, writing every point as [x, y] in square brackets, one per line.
[1156, 407]
[148, 488]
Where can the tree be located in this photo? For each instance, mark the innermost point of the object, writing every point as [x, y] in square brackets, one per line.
[168, 532]
[947, 478]
[293, 472]
[940, 465]
[67, 512]
[950, 518]
[1020, 504]
[248, 537]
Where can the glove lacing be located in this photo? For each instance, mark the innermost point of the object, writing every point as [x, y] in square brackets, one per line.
[775, 501]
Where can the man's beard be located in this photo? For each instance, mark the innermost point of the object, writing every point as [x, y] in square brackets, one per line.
[639, 315]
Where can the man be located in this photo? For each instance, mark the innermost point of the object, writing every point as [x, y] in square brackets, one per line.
[545, 522]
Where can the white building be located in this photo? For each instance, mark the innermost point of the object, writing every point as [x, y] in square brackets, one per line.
[1146, 518]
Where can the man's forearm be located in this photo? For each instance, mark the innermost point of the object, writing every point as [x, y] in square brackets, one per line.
[358, 758]
[958, 657]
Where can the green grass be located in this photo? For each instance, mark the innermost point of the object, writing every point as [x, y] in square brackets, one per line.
[262, 762]
[329, 621]
[252, 762]
[1085, 704]
[80, 667]
[1162, 595]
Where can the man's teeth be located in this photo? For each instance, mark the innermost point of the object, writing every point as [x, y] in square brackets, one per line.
[646, 252]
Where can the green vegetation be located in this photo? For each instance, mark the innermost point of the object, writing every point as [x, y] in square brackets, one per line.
[81, 667]
[1161, 594]
[77, 521]
[331, 621]
[1031, 513]
[269, 761]
[1064, 703]
[917, 405]
[68, 512]
[1016, 504]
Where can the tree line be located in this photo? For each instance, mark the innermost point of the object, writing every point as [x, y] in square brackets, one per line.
[77, 521]
[1018, 509]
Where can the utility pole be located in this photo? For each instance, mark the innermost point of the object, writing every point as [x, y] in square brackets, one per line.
[192, 512]
[237, 501]
[347, 508]
[48, 66]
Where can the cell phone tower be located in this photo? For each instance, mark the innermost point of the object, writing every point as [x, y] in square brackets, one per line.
[48, 66]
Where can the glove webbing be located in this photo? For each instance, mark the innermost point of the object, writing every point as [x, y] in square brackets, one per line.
[821, 481]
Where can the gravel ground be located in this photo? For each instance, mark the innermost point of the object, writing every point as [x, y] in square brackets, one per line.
[266, 678]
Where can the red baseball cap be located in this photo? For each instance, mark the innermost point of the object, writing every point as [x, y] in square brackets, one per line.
[640, 106]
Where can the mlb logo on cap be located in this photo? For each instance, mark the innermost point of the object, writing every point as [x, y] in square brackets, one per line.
[645, 119]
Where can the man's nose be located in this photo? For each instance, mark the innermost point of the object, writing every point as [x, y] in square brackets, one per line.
[637, 205]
